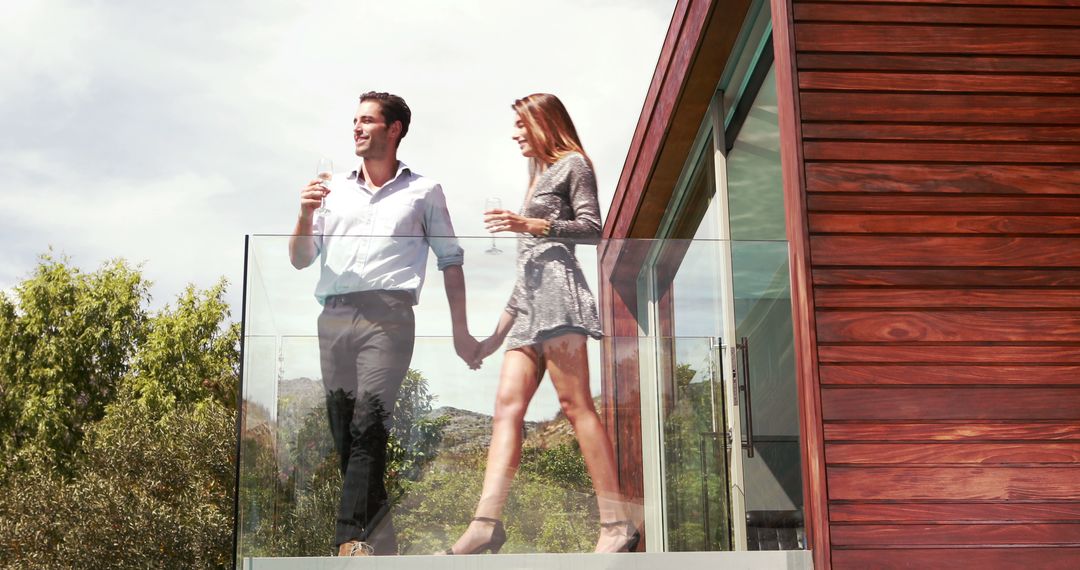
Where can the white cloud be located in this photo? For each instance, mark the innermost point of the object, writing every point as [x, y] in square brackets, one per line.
[196, 122]
[175, 224]
[164, 134]
[44, 43]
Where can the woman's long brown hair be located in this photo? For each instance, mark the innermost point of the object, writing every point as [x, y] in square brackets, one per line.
[549, 130]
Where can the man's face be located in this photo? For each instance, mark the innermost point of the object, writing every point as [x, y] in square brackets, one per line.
[373, 137]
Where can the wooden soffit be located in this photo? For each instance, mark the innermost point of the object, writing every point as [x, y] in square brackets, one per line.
[699, 40]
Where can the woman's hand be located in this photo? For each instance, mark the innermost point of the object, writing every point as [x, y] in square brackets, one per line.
[492, 343]
[507, 221]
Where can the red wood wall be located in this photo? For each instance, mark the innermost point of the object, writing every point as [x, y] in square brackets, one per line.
[941, 176]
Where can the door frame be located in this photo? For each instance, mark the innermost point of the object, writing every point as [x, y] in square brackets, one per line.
[749, 64]
[709, 144]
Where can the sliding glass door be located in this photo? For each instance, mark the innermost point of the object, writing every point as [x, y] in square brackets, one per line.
[717, 294]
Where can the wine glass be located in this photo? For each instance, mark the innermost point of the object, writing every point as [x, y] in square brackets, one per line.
[324, 172]
[493, 204]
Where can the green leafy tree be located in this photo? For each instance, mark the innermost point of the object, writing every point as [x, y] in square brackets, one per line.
[68, 339]
[132, 406]
[415, 435]
[562, 463]
[188, 355]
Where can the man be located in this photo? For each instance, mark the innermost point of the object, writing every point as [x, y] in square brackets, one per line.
[372, 247]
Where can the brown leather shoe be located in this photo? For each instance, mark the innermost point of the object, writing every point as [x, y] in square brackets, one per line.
[355, 548]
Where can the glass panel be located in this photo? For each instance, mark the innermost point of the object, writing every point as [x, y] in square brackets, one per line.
[290, 471]
[754, 184]
[695, 450]
[753, 34]
[772, 474]
[696, 215]
[763, 331]
[695, 464]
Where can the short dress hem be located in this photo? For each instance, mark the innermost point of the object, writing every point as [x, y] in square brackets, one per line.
[542, 336]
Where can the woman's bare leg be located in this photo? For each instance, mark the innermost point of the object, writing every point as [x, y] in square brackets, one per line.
[517, 385]
[568, 366]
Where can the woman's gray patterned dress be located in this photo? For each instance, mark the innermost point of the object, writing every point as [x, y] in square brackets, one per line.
[551, 296]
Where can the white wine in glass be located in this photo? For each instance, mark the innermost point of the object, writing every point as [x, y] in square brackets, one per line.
[324, 172]
[493, 204]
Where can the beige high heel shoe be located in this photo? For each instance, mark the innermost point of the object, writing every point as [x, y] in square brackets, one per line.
[498, 538]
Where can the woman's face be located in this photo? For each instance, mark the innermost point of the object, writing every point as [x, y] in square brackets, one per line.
[520, 137]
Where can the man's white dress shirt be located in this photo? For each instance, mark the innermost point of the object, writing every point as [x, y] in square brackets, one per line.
[379, 240]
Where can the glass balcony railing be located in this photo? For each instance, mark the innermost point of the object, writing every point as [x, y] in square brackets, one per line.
[693, 381]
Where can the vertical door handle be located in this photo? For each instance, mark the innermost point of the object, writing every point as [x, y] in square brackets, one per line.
[704, 485]
[744, 348]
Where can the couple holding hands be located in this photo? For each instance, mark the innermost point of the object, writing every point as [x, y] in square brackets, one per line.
[371, 276]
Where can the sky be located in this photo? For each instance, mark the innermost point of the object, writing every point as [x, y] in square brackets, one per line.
[164, 135]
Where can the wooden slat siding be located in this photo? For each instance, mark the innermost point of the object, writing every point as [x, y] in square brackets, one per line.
[941, 146]
[945, 40]
[974, 178]
[928, 513]
[866, 326]
[960, 204]
[953, 298]
[997, 133]
[908, 14]
[989, 375]
[948, 277]
[962, 64]
[921, 151]
[933, 403]
[918, 224]
[937, 251]
[937, 82]
[954, 3]
[953, 483]
[916, 353]
[940, 108]
[1036, 558]
[1026, 534]
[962, 431]
[954, 453]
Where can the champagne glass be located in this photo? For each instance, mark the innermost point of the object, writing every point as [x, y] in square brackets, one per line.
[493, 204]
[324, 172]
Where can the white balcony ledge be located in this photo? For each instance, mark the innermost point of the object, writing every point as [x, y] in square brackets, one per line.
[761, 560]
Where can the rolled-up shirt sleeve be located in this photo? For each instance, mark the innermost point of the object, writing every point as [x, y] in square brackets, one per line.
[440, 231]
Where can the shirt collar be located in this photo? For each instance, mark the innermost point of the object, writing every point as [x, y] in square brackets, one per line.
[401, 169]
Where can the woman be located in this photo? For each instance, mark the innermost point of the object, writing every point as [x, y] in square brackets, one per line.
[546, 323]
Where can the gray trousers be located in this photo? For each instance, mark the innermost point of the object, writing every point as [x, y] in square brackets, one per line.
[365, 346]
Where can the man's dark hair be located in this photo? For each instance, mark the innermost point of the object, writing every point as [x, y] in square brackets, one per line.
[393, 108]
